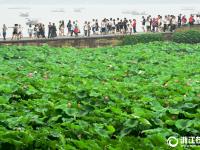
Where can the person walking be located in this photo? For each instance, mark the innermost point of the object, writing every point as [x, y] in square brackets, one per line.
[4, 31]
[168, 22]
[85, 28]
[113, 27]
[15, 32]
[107, 26]
[160, 25]
[103, 27]
[96, 26]
[89, 29]
[198, 19]
[150, 20]
[76, 30]
[43, 31]
[143, 23]
[179, 20]
[154, 25]
[173, 24]
[49, 30]
[191, 20]
[35, 30]
[148, 25]
[165, 24]
[117, 25]
[134, 25]
[110, 22]
[61, 28]
[121, 26]
[39, 30]
[20, 34]
[73, 28]
[184, 20]
[93, 27]
[30, 31]
[130, 27]
[54, 31]
[125, 26]
[69, 27]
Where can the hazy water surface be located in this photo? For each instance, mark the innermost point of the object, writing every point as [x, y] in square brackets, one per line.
[10, 14]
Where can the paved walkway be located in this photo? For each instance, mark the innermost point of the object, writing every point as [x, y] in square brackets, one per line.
[8, 40]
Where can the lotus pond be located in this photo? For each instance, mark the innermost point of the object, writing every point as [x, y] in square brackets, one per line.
[121, 98]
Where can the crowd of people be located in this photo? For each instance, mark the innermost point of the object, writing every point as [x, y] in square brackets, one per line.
[167, 23]
[36, 31]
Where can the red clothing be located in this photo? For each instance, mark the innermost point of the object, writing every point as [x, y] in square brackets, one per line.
[191, 19]
[134, 23]
[184, 20]
[76, 30]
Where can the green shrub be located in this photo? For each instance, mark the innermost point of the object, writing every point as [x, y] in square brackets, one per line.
[191, 37]
[142, 38]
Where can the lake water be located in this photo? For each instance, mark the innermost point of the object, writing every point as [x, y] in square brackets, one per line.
[10, 14]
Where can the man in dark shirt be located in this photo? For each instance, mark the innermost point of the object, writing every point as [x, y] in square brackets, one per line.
[143, 23]
[125, 25]
[179, 20]
[49, 30]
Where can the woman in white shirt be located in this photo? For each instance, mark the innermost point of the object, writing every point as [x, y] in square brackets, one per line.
[159, 23]
[85, 28]
[61, 28]
[113, 27]
[148, 24]
[30, 31]
[110, 25]
[35, 31]
[20, 35]
[93, 26]
[4, 31]
[174, 23]
[130, 27]
[164, 22]
[198, 19]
